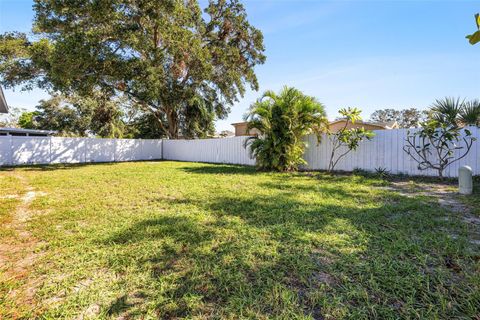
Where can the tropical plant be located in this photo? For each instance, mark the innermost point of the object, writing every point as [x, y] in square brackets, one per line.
[165, 56]
[347, 139]
[456, 111]
[470, 113]
[475, 37]
[382, 172]
[283, 120]
[438, 144]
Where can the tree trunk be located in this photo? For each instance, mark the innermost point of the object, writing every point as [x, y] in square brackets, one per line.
[331, 163]
[440, 173]
[172, 124]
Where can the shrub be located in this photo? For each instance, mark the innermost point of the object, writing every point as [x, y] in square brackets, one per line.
[283, 120]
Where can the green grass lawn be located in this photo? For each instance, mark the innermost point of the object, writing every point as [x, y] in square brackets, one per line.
[171, 240]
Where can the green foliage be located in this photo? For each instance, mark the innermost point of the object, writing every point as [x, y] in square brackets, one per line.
[475, 37]
[347, 139]
[26, 120]
[470, 113]
[182, 66]
[78, 116]
[456, 111]
[283, 120]
[406, 118]
[438, 144]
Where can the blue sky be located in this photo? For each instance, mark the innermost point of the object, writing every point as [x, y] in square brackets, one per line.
[367, 54]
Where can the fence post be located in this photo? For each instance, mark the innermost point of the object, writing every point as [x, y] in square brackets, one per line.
[465, 183]
[11, 150]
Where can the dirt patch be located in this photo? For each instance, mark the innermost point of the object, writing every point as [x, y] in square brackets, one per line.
[446, 195]
[89, 313]
[19, 253]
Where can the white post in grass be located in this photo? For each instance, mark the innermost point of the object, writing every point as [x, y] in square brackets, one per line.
[465, 184]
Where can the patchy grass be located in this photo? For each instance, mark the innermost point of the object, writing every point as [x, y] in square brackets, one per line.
[473, 200]
[185, 240]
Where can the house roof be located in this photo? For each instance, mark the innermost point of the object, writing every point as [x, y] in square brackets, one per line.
[29, 131]
[383, 125]
[3, 102]
[239, 123]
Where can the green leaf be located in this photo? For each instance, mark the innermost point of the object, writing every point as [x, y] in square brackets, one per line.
[474, 38]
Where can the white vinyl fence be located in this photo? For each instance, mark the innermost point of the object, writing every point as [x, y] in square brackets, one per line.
[384, 151]
[223, 150]
[16, 150]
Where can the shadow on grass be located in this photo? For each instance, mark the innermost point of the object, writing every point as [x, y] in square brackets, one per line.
[261, 254]
[186, 229]
[64, 166]
[220, 169]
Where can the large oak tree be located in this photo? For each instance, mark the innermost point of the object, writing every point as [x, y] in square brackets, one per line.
[182, 65]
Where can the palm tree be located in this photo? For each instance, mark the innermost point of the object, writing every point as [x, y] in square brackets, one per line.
[447, 110]
[470, 113]
[283, 120]
[455, 111]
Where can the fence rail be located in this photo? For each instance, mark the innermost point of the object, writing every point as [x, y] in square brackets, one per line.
[385, 150]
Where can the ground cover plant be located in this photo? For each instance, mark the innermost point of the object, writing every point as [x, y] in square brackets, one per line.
[187, 240]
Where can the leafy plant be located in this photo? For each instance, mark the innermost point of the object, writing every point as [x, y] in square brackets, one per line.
[435, 144]
[382, 172]
[347, 139]
[475, 37]
[456, 111]
[470, 113]
[283, 120]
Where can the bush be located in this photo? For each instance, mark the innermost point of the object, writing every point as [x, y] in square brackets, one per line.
[283, 120]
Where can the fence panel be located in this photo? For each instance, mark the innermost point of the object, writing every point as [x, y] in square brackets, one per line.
[16, 150]
[127, 150]
[151, 149]
[385, 150]
[30, 150]
[5, 150]
[223, 150]
[67, 150]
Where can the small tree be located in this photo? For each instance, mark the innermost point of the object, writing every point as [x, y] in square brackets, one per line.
[283, 120]
[348, 138]
[434, 145]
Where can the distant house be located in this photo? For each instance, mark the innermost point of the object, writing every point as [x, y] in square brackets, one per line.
[3, 102]
[241, 127]
[19, 131]
[340, 123]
